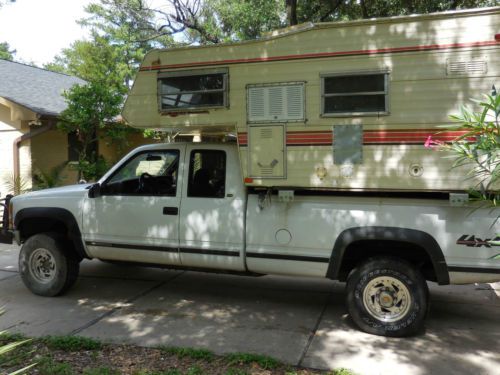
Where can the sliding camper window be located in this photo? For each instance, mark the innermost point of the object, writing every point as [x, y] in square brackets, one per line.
[193, 89]
[354, 94]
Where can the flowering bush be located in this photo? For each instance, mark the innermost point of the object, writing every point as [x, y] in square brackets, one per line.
[478, 148]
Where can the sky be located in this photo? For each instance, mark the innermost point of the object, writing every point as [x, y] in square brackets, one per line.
[39, 29]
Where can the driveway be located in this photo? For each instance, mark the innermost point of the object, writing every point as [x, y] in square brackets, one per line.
[299, 321]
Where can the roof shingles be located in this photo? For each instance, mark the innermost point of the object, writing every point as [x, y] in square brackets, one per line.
[37, 89]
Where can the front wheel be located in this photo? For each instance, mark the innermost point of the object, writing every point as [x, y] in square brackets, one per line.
[387, 297]
[45, 267]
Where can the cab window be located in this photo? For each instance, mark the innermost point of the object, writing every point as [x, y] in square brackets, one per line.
[207, 174]
[147, 173]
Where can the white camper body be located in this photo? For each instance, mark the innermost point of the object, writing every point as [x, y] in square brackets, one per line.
[344, 105]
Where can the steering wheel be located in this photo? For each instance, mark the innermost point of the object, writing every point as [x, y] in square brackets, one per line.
[142, 182]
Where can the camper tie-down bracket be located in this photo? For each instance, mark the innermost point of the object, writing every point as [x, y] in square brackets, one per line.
[459, 199]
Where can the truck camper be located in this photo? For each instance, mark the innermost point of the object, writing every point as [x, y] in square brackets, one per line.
[335, 106]
[320, 169]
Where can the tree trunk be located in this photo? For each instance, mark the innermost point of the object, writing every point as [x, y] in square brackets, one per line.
[364, 10]
[291, 12]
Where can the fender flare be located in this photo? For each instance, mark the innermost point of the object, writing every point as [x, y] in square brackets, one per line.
[412, 236]
[59, 214]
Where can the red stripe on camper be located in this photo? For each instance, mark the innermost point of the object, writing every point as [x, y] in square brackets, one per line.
[430, 47]
[370, 137]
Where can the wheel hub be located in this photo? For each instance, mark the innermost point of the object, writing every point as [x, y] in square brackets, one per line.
[387, 299]
[42, 265]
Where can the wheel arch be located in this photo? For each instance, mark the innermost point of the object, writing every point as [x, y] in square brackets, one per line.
[351, 247]
[35, 220]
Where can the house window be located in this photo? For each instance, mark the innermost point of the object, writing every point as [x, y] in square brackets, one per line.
[75, 148]
[193, 89]
[354, 94]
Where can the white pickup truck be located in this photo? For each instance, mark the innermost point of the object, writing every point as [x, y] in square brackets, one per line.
[184, 205]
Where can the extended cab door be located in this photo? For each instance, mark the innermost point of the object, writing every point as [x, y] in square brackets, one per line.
[136, 217]
[211, 226]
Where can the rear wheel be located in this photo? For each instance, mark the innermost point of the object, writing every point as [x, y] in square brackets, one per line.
[387, 297]
[45, 267]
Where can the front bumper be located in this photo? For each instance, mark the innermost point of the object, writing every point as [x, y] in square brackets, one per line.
[6, 237]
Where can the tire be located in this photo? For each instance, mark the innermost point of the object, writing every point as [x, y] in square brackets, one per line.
[387, 297]
[45, 267]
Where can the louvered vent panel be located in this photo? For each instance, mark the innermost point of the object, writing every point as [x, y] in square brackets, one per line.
[256, 97]
[275, 100]
[266, 133]
[472, 67]
[295, 102]
[276, 103]
[266, 151]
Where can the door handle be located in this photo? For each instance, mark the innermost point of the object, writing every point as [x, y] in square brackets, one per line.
[171, 211]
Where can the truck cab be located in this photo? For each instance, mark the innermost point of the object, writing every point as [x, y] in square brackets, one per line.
[178, 205]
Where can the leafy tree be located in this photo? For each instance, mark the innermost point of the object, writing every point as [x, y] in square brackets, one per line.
[93, 61]
[91, 108]
[215, 21]
[232, 20]
[5, 52]
[124, 25]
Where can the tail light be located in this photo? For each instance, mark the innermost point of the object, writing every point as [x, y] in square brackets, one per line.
[10, 213]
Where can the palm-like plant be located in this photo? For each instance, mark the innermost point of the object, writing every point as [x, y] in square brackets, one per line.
[7, 348]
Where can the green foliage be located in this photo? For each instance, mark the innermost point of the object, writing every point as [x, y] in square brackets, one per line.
[49, 179]
[230, 20]
[9, 355]
[215, 21]
[92, 170]
[101, 371]
[479, 148]
[89, 109]
[95, 60]
[192, 353]
[47, 366]
[238, 371]
[17, 185]
[341, 371]
[126, 26]
[5, 52]
[71, 343]
[265, 362]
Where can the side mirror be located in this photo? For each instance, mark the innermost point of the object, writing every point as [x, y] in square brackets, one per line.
[95, 190]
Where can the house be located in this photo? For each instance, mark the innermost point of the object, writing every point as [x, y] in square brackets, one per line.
[30, 102]
[336, 106]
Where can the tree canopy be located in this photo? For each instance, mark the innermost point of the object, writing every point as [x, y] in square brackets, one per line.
[6, 53]
[215, 21]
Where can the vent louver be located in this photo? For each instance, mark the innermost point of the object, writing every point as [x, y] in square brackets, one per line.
[283, 102]
[472, 67]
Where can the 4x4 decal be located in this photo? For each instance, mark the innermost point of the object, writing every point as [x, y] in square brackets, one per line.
[473, 241]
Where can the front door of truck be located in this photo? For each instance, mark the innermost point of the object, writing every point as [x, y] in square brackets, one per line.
[211, 226]
[136, 218]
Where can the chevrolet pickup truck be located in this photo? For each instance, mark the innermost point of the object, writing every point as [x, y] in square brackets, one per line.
[185, 206]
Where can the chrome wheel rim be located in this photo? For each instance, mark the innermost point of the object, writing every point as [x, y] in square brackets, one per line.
[387, 299]
[42, 266]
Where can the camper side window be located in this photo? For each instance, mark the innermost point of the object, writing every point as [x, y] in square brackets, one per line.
[354, 94]
[184, 90]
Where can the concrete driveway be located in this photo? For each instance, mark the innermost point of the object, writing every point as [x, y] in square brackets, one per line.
[299, 321]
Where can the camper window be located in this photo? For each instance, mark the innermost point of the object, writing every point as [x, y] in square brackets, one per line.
[192, 90]
[354, 94]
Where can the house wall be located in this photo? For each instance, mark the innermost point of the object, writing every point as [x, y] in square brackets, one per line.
[414, 50]
[50, 150]
[10, 130]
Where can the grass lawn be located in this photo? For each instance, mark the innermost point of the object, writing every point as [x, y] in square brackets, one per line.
[68, 355]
